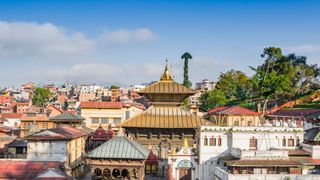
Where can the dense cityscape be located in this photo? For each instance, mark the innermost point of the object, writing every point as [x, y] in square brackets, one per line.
[160, 90]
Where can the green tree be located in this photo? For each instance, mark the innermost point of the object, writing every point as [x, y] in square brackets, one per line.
[267, 81]
[41, 96]
[213, 98]
[235, 84]
[114, 87]
[186, 82]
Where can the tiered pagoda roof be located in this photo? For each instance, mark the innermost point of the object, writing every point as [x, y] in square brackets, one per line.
[165, 96]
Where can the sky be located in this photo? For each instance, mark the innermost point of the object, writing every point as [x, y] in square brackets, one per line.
[127, 42]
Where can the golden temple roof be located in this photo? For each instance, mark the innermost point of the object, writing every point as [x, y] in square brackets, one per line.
[165, 117]
[166, 85]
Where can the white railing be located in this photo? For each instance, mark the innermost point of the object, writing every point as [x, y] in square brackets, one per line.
[222, 174]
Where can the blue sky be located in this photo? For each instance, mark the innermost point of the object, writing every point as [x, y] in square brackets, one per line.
[127, 42]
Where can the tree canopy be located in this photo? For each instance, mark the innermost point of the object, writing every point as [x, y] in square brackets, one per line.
[41, 96]
[278, 77]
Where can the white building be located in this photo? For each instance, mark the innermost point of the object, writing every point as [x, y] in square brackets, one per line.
[205, 85]
[252, 153]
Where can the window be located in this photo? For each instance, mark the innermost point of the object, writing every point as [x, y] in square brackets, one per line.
[236, 123]
[284, 142]
[253, 144]
[212, 141]
[104, 121]
[291, 142]
[250, 123]
[95, 120]
[117, 120]
[219, 141]
[206, 141]
[19, 150]
[297, 141]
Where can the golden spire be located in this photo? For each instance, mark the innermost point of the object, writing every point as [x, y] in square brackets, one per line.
[185, 143]
[166, 76]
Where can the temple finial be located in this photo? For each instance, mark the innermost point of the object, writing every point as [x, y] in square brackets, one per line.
[185, 143]
[166, 74]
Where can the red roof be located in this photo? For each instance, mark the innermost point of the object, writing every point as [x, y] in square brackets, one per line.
[17, 169]
[102, 105]
[60, 133]
[101, 135]
[11, 115]
[233, 110]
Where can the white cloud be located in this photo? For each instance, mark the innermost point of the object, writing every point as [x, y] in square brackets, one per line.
[302, 49]
[124, 36]
[30, 40]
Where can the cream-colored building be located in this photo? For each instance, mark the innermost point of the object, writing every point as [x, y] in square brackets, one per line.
[234, 116]
[107, 113]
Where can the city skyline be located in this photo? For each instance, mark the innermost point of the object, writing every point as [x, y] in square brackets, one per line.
[126, 42]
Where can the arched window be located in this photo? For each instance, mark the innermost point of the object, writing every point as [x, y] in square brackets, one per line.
[219, 141]
[97, 172]
[284, 142]
[297, 141]
[205, 141]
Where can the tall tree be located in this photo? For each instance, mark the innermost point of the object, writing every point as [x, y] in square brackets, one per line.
[186, 82]
[267, 81]
[41, 96]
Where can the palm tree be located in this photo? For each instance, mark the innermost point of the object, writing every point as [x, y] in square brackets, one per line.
[186, 82]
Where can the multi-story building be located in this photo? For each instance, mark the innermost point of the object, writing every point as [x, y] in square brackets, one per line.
[107, 113]
[64, 143]
[37, 119]
[205, 85]
[257, 152]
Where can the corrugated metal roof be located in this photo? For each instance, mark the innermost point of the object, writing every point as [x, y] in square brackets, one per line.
[120, 147]
[165, 117]
[67, 116]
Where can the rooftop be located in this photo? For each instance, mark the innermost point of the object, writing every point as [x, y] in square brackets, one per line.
[232, 110]
[165, 117]
[18, 169]
[67, 116]
[60, 133]
[120, 147]
[101, 105]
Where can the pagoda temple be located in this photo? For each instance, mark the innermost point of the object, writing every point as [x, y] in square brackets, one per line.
[165, 124]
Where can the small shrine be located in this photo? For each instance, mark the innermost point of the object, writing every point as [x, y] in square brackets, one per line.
[100, 136]
[118, 158]
[183, 163]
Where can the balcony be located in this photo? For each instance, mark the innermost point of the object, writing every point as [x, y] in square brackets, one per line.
[259, 154]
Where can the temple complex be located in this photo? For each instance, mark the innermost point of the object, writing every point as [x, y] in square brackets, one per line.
[165, 124]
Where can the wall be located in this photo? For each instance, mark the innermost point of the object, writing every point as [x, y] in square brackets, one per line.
[105, 113]
[47, 150]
